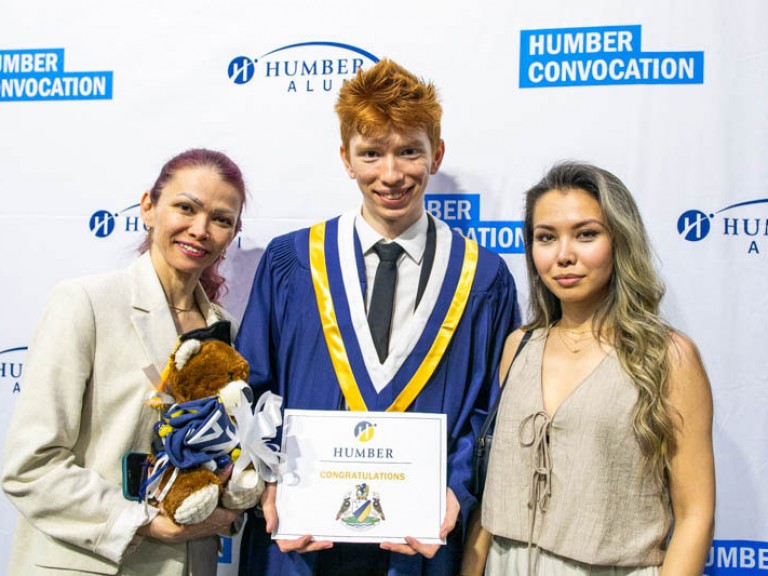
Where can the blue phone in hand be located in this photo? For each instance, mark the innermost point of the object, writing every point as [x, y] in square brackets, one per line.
[135, 466]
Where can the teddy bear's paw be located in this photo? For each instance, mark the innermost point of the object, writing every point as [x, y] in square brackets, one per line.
[245, 492]
[197, 506]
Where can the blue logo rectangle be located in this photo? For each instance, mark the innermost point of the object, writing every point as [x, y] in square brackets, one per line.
[597, 56]
[737, 558]
[38, 74]
[462, 213]
[225, 551]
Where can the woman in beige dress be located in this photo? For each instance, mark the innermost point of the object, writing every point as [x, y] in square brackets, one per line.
[604, 431]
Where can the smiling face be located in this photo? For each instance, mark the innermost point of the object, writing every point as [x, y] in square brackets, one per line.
[572, 249]
[193, 221]
[392, 170]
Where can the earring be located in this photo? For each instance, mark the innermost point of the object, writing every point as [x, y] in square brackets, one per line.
[223, 255]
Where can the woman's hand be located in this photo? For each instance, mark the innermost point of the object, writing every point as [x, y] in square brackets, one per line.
[163, 529]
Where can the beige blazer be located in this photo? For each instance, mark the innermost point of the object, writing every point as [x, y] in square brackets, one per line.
[100, 346]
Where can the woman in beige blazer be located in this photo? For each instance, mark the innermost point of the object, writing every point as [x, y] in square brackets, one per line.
[98, 351]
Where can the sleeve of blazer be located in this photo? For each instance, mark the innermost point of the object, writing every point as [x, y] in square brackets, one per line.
[44, 475]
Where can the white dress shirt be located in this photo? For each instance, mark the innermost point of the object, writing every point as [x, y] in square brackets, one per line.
[414, 242]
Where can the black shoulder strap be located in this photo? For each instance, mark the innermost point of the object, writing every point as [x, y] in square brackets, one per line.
[492, 412]
[523, 342]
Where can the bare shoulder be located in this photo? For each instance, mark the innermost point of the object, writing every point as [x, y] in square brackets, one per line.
[513, 340]
[511, 345]
[681, 348]
[689, 388]
[684, 356]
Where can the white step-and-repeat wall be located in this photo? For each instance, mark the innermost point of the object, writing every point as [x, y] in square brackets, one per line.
[671, 96]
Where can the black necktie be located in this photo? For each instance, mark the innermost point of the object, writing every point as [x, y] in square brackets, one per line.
[383, 296]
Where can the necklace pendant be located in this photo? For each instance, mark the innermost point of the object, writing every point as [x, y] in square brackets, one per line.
[571, 343]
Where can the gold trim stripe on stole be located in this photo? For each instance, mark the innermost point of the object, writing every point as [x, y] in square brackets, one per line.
[335, 343]
[443, 338]
[328, 321]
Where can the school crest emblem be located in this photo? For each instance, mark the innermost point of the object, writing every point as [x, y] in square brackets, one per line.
[361, 508]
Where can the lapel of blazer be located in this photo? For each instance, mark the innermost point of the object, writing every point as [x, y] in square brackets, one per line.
[151, 317]
[210, 311]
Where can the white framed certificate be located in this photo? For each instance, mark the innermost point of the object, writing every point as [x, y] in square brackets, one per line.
[362, 476]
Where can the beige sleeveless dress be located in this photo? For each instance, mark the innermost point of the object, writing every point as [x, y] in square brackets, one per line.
[567, 494]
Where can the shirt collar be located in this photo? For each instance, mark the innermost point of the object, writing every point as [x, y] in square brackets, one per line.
[413, 239]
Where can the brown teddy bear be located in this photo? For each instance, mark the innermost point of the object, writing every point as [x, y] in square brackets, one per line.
[198, 461]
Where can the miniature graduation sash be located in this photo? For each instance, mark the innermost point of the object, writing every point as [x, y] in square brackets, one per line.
[197, 431]
[335, 342]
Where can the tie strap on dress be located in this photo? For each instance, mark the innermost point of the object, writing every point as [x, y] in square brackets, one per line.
[534, 433]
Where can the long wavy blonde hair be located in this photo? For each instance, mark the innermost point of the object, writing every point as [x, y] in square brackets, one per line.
[629, 315]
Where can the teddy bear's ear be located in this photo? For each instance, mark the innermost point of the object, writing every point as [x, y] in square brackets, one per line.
[187, 349]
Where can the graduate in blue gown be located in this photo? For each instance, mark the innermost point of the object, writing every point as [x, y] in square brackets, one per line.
[306, 330]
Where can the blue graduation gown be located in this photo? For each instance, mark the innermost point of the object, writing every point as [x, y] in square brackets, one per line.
[282, 338]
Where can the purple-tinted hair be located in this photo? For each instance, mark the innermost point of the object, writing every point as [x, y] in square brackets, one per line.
[213, 283]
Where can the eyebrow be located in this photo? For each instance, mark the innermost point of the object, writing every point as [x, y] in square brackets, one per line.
[192, 197]
[378, 141]
[579, 224]
[200, 203]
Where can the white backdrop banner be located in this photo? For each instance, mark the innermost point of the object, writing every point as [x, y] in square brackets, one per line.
[95, 97]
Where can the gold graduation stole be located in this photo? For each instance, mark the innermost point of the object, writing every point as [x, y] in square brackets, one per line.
[335, 342]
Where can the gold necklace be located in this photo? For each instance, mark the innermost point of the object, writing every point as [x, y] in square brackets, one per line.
[575, 343]
[572, 331]
[173, 306]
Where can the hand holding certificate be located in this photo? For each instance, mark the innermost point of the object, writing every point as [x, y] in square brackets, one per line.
[363, 476]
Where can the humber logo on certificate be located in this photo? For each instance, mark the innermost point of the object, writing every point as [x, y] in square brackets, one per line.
[343, 471]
